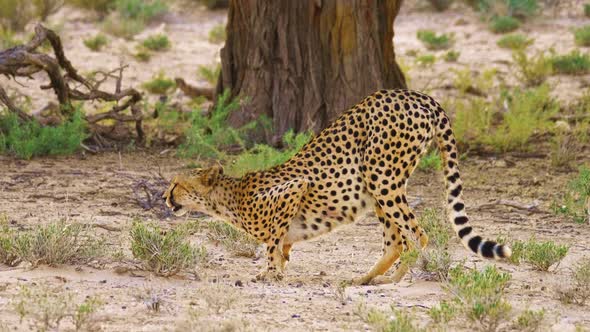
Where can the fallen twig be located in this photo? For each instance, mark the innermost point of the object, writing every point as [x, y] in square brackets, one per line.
[531, 208]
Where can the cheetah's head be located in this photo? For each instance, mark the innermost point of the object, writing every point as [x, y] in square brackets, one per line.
[189, 191]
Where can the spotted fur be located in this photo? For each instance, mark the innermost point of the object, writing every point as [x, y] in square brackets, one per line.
[360, 163]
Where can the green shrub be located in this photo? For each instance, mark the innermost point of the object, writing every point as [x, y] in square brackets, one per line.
[52, 244]
[395, 321]
[529, 112]
[532, 71]
[100, 6]
[426, 60]
[504, 24]
[431, 161]
[217, 34]
[432, 41]
[140, 9]
[576, 201]
[564, 149]
[207, 134]
[573, 63]
[587, 9]
[541, 255]
[582, 36]
[233, 239]
[435, 259]
[160, 84]
[479, 295]
[514, 8]
[30, 139]
[142, 54]
[452, 56]
[157, 43]
[263, 156]
[164, 253]
[96, 43]
[514, 42]
[16, 14]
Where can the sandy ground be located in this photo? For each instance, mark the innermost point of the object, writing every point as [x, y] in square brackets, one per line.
[221, 295]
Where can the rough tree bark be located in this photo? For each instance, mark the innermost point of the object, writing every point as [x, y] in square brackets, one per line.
[301, 63]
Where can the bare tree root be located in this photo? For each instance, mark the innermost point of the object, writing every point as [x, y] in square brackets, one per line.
[25, 60]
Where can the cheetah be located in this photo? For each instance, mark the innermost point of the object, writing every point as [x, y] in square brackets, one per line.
[359, 164]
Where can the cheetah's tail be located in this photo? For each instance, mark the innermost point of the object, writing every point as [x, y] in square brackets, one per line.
[456, 208]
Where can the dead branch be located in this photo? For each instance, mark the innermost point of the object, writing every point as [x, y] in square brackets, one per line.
[25, 60]
[530, 208]
[194, 91]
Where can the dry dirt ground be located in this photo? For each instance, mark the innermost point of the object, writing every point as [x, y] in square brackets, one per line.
[97, 189]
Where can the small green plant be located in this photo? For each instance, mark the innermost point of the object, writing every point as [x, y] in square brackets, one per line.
[587, 9]
[452, 56]
[479, 295]
[217, 34]
[564, 149]
[431, 161]
[577, 290]
[432, 41]
[264, 156]
[30, 139]
[142, 54]
[513, 8]
[515, 42]
[158, 43]
[541, 255]
[96, 43]
[160, 84]
[573, 63]
[209, 73]
[140, 9]
[529, 112]
[582, 36]
[426, 60]
[435, 259]
[52, 244]
[443, 313]
[164, 253]
[532, 71]
[529, 320]
[234, 240]
[504, 24]
[207, 134]
[576, 201]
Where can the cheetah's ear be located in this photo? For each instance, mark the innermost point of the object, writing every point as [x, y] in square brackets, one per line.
[211, 175]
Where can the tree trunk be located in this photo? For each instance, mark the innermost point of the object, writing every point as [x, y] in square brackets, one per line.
[303, 62]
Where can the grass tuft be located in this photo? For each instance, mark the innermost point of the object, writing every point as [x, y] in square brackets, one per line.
[430, 161]
[158, 43]
[504, 24]
[209, 73]
[452, 56]
[160, 84]
[532, 71]
[52, 244]
[165, 253]
[515, 42]
[432, 41]
[582, 36]
[573, 63]
[96, 43]
[529, 320]
[540, 255]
